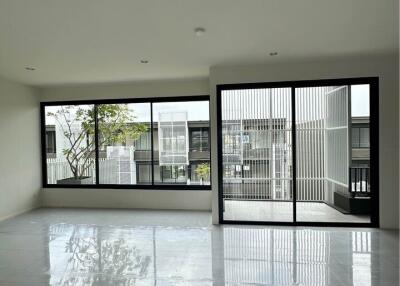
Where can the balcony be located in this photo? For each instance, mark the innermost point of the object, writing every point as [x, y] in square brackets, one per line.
[249, 199]
[145, 155]
[253, 210]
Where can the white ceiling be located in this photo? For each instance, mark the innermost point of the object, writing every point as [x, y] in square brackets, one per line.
[82, 41]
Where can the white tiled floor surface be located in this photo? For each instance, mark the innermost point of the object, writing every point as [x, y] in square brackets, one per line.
[126, 247]
[283, 211]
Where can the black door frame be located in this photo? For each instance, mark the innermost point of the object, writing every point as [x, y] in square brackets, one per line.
[374, 145]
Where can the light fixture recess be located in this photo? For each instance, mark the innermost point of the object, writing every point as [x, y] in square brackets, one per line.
[144, 61]
[272, 54]
[30, 68]
[199, 31]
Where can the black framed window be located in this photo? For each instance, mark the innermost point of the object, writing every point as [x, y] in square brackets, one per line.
[199, 140]
[360, 137]
[126, 143]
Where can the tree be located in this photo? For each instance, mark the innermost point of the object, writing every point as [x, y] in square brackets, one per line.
[115, 125]
[203, 171]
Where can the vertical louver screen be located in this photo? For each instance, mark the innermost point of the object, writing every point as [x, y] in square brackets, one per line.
[256, 136]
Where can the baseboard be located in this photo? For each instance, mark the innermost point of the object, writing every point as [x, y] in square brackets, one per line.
[19, 212]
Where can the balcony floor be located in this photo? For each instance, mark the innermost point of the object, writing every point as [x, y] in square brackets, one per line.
[283, 212]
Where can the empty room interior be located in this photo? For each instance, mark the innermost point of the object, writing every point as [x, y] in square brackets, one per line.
[223, 142]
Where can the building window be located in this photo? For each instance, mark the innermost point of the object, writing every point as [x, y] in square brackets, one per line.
[140, 143]
[50, 141]
[199, 139]
[360, 137]
[144, 141]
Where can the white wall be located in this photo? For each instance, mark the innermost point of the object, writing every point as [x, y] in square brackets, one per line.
[384, 67]
[126, 90]
[20, 175]
[128, 198]
[157, 199]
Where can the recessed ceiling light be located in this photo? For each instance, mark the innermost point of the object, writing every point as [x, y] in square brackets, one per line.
[272, 54]
[30, 68]
[144, 61]
[199, 31]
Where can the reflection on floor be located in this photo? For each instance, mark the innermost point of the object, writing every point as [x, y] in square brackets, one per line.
[283, 211]
[122, 247]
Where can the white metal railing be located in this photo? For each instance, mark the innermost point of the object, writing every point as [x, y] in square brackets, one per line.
[312, 189]
[58, 168]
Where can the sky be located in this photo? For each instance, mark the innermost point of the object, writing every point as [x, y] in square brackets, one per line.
[360, 100]
[196, 110]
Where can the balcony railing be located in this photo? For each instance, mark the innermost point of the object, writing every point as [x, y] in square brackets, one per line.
[359, 181]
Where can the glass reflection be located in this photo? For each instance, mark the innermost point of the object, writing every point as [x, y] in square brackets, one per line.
[91, 255]
[276, 256]
[228, 255]
[361, 245]
[296, 257]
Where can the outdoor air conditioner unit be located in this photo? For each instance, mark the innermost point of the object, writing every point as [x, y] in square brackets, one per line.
[126, 167]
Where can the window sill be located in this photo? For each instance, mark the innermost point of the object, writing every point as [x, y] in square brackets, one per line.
[131, 187]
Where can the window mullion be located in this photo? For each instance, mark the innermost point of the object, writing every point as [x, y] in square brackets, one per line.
[96, 142]
[152, 143]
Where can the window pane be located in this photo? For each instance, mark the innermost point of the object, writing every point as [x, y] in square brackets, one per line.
[70, 149]
[50, 141]
[364, 137]
[360, 100]
[198, 139]
[256, 154]
[355, 137]
[180, 137]
[204, 140]
[125, 145]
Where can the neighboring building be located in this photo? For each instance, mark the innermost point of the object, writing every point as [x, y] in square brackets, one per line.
[138, 166]
[252, 159]
[360, 142]
[256, 162]
[198, 152]
[51, 141]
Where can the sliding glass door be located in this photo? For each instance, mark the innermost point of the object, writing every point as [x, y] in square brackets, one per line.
[315, 169]
[333, 174]
[256, 154]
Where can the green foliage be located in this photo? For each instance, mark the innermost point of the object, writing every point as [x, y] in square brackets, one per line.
[203, 171]
[116, 123]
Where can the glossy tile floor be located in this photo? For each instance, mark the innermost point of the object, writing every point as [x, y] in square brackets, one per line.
[126, 247]
[283, 211]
